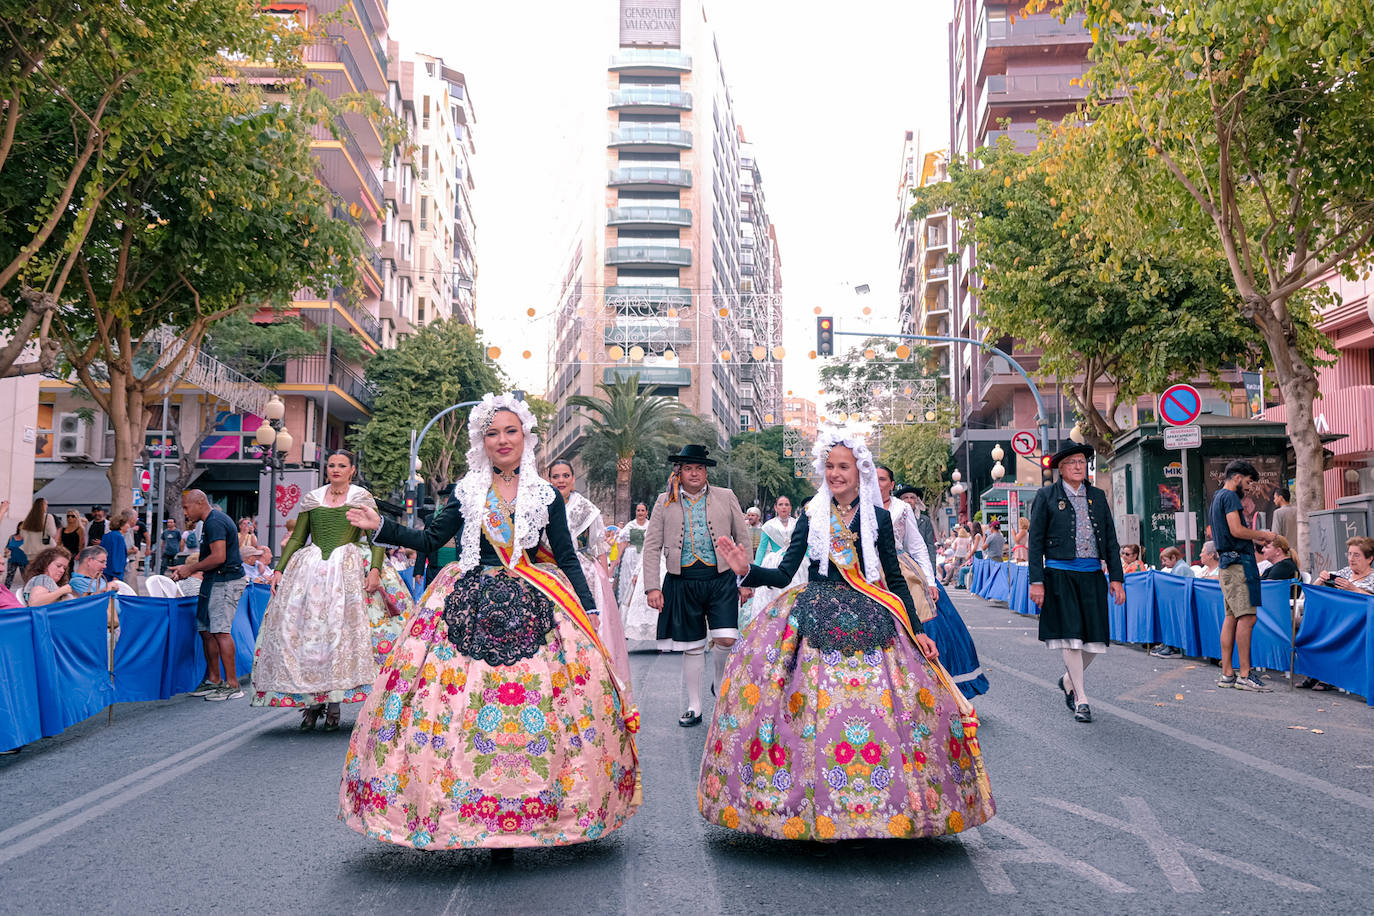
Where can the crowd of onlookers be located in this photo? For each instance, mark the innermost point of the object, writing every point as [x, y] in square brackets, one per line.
[87, 553]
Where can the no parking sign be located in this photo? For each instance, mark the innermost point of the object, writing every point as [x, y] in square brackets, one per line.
[1180, 405]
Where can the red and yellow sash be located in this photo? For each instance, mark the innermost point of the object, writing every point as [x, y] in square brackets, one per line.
[558, 591]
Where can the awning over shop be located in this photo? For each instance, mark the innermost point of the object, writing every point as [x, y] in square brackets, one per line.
[238, 477]
[81, 486]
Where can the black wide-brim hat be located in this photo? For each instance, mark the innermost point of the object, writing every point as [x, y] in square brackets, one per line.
[692, 454]
[1084, 449]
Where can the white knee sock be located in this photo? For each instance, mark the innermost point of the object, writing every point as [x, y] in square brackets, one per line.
[691, 676]
[1074, 664]
[720, 654]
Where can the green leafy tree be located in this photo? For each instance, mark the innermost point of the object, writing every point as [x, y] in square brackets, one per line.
[230, 219]
[760, 472]
[872, 375]
[625, 421]
[443, 364]
[1243, 126]
[93, 98]
[919, 453]
[1130, 326]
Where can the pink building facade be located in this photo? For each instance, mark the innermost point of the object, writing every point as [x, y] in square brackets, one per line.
[1345, 404]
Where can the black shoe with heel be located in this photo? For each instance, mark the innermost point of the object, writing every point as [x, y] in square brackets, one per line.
[689, 718]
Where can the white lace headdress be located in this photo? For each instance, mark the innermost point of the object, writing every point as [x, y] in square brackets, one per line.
[818, 512]
[533, 494]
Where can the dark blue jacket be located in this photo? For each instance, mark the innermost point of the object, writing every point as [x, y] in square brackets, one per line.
[1054, 533]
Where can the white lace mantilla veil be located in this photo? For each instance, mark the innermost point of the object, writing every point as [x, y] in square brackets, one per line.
[818, 511]
[533, 493]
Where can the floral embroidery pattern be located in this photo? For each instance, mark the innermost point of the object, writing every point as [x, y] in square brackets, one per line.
[452, 751]
[834, 743]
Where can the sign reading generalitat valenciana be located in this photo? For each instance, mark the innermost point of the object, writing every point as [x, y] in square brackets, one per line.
[651, 22]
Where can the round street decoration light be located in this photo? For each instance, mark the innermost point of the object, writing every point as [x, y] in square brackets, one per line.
[636, 353]
[779, 352]
[616, 353]
[759, 351]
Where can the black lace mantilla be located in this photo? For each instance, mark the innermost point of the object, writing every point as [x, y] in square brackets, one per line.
[496, 618]
[832, 616]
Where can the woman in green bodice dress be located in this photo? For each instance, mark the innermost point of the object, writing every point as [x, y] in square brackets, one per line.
[336, 606]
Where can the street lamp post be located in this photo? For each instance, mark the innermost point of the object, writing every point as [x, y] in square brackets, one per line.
[275, 441]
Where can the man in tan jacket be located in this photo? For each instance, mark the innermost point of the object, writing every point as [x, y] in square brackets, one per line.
[699, 597]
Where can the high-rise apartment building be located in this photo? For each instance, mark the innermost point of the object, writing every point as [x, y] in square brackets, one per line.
[444, 268]
[1007, 71]
[923, 260]
[326, 393]
[801, 415]
[664, 277]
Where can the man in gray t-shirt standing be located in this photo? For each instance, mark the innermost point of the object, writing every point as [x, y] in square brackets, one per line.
[996, 547]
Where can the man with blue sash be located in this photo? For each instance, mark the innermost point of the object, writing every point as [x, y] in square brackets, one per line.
[1071, 535]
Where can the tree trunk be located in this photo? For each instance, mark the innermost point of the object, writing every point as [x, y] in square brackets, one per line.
[1298, 386]
[624, 470]
[130, 422]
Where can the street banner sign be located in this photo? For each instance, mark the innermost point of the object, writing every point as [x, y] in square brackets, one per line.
[1025, 443]
[1180, 405]
[1183, 437]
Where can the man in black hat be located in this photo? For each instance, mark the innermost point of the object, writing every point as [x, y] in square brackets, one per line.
[1071, 535]
[699, 597]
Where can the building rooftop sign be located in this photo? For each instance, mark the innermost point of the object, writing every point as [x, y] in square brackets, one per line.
[650, 22]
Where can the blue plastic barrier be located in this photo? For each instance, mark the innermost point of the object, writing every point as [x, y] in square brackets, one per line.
[1336, 640]
[55, 663]
[1335, 643]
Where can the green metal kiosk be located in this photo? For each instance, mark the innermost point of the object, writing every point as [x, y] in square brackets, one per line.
[1147, 480]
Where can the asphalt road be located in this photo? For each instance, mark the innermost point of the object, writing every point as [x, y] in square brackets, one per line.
[1180, 798]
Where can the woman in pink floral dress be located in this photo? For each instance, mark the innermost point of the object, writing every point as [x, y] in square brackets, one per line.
[833, 722]
[496, 721]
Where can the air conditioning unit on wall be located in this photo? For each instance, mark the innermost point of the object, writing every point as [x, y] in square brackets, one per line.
[73, 439]
[310, 452]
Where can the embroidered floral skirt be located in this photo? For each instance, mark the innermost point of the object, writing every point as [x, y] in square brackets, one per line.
[323, 637]
[519, 739]
[830, 726]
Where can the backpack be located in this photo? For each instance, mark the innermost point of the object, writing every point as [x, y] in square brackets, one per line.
[192, 542]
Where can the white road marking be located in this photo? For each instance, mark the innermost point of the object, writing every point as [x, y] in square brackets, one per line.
[988, 860]
[86, 808]
[1295, 777]
[1178, 845]
[1278, 823]
[1164, 847]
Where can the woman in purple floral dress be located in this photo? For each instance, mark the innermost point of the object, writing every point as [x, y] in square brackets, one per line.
[496, 720]
[833, 722]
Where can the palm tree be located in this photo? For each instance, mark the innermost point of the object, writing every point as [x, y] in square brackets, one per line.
[627, 420]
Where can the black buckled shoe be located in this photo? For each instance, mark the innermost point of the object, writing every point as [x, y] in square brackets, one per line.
[1068, 694]
[1083, 713]
[689, 718]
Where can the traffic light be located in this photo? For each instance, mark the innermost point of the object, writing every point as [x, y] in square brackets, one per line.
[1046, 475]
[825, 336]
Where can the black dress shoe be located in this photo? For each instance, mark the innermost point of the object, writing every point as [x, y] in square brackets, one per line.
[1083, 713]
[689, 718]
[1068, 694]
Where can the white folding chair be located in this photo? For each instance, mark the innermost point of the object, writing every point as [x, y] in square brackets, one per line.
[161, 587]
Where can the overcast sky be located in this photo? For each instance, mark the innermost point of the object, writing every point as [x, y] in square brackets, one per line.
[825, 97]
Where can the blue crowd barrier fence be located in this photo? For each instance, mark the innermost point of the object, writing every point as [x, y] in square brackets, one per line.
[1335, 642]
[57, 668]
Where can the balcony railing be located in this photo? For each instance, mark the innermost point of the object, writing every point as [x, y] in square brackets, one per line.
[365, 23]
[316, 370]
[668, 216]
[673, 296]
[650, 175]
[1031, 29]
[650, 58]
[1034, 87]
[334, 51]
[649, 375]
[649, 254]
[308, 299]
[651, 136]
[651, 97]
[345, 136]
